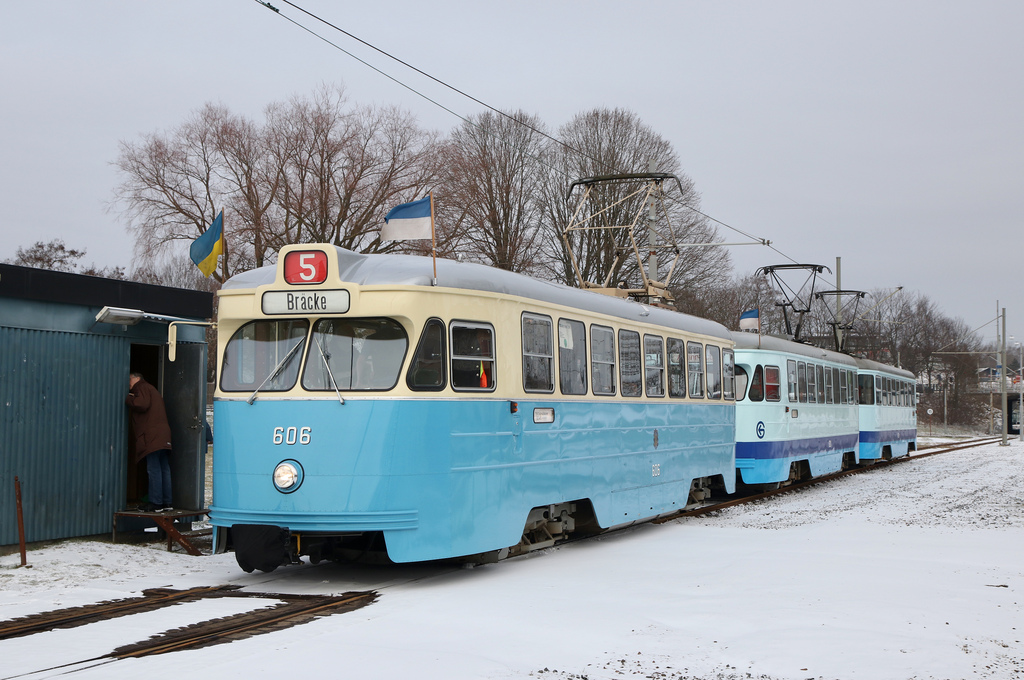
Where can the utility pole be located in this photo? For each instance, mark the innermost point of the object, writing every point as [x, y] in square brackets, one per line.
[1002, 379]
[839, 305]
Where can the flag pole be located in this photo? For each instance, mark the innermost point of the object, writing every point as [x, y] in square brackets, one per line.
[433, 239]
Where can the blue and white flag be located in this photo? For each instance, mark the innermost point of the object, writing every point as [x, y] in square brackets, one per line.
[750, 320]
[408, 221]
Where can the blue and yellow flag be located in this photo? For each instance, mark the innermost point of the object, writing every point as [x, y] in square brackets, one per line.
[205, 249]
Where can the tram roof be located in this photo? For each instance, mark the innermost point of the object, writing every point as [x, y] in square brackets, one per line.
[415, 270]
[869, 365]
[774, 343]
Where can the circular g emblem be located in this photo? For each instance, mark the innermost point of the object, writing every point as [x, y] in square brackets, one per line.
[760, 430]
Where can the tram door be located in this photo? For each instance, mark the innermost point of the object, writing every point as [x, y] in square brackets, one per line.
[183, 386]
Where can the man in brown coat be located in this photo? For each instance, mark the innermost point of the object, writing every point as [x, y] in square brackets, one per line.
[152, 440]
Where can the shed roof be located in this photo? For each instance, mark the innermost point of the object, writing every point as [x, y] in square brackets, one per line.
[27, 283]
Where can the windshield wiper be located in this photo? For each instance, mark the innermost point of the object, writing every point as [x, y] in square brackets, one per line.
[276, 371]
[327, 365]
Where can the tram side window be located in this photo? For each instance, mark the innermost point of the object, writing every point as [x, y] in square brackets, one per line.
[630, 364]
[713, 357]
[538, 354]
[812, 386]
[878, 390]
[820, 372]
[836, 396]
[772, 383]
[572, 357]
[259, 350]
[791, 380]
[695, 369]
[472, 356]
[654, 366]
[756, 390]
[801, 378]
[602, 359]
[844, 390]
[427, 370]
[355, 354]
[676, 368]
[829, 395]
[867, 392]
[728, 374]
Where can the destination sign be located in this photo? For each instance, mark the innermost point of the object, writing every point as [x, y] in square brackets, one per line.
[306, 302]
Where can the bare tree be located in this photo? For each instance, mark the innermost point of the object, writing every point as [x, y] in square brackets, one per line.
[490, 186]
[316, 170]
[614, 142]
[56, 256]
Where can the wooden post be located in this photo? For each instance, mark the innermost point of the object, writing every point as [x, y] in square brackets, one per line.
[21, 521]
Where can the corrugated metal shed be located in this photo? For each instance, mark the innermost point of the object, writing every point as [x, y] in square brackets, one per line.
[63, 379]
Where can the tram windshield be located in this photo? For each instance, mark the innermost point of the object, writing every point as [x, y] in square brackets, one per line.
[355, 354]
[264, 355]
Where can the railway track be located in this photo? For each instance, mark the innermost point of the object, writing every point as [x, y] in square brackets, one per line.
[290, 610]
[720, 505]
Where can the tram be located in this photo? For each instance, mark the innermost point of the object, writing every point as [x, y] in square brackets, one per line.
[363, 411]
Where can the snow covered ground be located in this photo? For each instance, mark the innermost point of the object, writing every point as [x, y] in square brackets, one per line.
[915, 571]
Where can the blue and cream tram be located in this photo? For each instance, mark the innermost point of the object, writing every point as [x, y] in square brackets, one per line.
[888, 411]
[361, 409]
[796, 410]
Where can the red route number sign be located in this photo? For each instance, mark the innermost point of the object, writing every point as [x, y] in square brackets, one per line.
[305, 266]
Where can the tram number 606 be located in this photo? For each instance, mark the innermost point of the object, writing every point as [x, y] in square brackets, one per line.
[292, 435]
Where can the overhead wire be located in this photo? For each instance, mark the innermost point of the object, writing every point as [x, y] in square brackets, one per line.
[462, 93]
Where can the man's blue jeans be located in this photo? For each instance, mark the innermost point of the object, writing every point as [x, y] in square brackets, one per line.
[158, 465]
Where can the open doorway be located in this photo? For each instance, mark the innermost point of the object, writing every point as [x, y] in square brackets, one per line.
[147, 360]
[183, 386]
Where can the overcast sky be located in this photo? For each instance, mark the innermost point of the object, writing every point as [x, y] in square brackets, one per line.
[890, 134]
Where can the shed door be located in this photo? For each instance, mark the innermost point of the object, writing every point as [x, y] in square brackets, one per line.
[185, 397]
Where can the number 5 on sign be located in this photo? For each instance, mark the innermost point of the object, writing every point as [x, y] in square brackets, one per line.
[305, 266]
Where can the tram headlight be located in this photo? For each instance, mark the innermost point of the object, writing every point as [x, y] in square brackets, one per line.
[287, 476]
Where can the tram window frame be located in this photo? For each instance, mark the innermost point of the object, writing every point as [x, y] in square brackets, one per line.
[631, 374]
[654, 366]
[487, 362]
[360, 351]
[675, 352]
[819, 372]
[829, 394]
[572, 367]
[755, 390]
[844, 391]
[534, 356]
[695, 370]
[812, 385]
[244, 341]
[801, 381]
[600, 365]
[878, 390]
[791, 381]
[769, 393]
[728, 374]
[865, 392]
[416, 370]
[713, 363]
[836, 394]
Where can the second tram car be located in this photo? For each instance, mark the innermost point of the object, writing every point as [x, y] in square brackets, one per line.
[796, 410]
[888, 411]
[361, 409]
